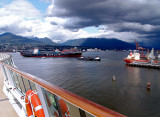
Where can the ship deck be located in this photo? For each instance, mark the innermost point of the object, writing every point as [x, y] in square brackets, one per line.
[5, 106]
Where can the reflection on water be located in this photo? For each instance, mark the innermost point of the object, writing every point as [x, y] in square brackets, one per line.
[133, 75]
[93, 80]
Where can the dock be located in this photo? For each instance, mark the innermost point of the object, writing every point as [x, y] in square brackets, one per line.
[145, 65]
[5, 106]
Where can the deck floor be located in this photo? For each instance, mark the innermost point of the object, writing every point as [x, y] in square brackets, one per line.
[5, 106]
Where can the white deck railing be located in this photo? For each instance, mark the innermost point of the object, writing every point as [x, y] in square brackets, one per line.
[17, 82]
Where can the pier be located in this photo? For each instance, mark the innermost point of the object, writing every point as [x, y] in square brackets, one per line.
[145, 65]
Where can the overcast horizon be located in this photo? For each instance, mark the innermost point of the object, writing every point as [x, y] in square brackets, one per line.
[61, 20]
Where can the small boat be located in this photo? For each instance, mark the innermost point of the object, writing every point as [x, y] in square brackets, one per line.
[89, 58]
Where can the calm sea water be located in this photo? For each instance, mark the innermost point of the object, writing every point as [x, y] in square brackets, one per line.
[93, 80]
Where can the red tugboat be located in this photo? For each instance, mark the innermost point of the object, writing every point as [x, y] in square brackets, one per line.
[56, 53]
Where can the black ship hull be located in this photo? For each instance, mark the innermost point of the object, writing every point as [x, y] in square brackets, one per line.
[52, 55]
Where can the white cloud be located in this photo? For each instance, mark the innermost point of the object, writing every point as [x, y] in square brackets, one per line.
[22, 18]
[9, 20]
[50, 7]
[21, 8]
[13, 14]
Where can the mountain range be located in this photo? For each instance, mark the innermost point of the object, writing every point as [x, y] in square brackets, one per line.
[101, 43]
[45, 40]
[15, 40]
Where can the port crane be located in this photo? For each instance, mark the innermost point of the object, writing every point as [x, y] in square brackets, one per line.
[138, 47]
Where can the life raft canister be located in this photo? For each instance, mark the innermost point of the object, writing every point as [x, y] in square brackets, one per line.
[32, 98]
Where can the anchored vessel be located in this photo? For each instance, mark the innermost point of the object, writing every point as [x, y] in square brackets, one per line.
[31, 96]
[56, 53]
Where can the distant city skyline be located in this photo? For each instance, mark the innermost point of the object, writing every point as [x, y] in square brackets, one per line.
[61, 20]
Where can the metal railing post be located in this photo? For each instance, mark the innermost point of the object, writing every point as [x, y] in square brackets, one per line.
[41, 97]
[9, 76]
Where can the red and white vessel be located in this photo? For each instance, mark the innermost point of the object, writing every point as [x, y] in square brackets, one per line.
[135, 57]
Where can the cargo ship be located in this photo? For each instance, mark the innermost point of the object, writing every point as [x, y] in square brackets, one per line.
[56, 53]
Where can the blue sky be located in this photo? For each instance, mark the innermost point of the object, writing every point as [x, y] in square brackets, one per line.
[91, 29]
[41, 5]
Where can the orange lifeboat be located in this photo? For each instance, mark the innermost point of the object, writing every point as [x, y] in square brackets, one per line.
[32, 99]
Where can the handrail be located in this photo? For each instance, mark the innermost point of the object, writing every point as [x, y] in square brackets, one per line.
[89, 106]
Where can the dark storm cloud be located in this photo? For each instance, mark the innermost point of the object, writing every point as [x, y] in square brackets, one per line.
[139, 17]
[133, 27]
[87, 12]
[53, 23]
[99, 12]
[142, 16]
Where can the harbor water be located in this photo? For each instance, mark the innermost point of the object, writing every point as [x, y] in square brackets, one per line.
[93, 80]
